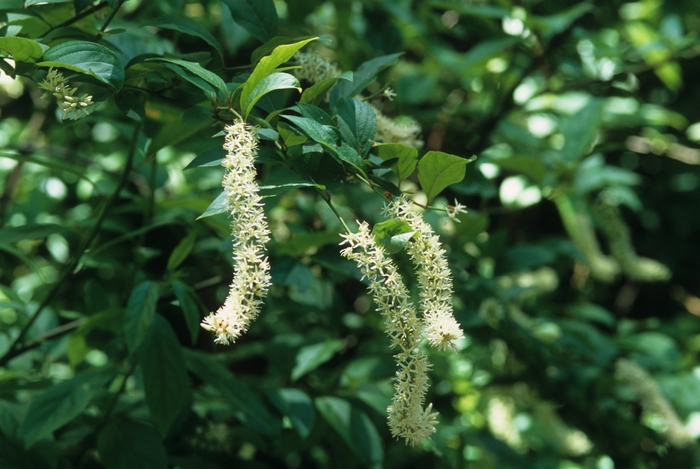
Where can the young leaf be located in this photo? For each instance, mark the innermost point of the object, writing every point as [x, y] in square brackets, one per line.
[267, 65]
[365, 74]
[393, 234]
[21, 49]
[316, 93]
[131, 445]
[164, 375]
[188, 303]
[193, 67]
[274, 81]
[243, 401]
[354, 426]
[185, 26]
[258, 17]
[181, 251]
[87, 57]
[407, 158]
[312, 356]
[437, 170]
[296, 405]
[289, 136]
[140, 311]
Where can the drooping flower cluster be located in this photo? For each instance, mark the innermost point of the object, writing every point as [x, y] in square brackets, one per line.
[434, 276]
[250, 232]
[407, 417]
[315, 68]
[653, 401]
[57, 85]
[390, 131]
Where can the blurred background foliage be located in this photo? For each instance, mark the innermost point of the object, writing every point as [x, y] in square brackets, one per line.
[578, 255]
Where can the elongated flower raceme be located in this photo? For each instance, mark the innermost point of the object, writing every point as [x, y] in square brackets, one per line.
[407, 417]
[434, 276]
[251, 278]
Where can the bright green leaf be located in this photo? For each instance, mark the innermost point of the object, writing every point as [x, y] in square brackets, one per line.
[393, 234]
[220, 205]
[274, 81]
[437, 170]
[317, 93]
[407, 158]
[312, 356]
[211, 157]
[193, 67]
[21, 49]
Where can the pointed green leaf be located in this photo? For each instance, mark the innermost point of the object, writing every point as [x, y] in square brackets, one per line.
[267, 65]
[188, 303]
[193, 67]
[18, 233]
[437, 170]
[312, 356]
[274, 81]
[357, 124]
[289, 136]
[21, 49]
[354, 426]
[393, 234]
[185, 26]
[581, 129]
[220, 205]
[164, 375]
[296, 405]
[326, 135]
[181, 251]
[131, 445]
[258, 17]
[407, 158]
[87, 57]
[140, 311]
[365, 74]
[211, 157]
[317, 93]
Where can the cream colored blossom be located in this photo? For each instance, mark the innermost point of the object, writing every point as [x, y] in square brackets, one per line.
[250, 232]
[653, 401]
[406, 416]
[72, 106]
[315, 68]
[434, 276]
[389, 131]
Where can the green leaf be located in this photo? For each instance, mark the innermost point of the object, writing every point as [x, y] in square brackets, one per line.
[249, 409]
[258, 17]
[185, 26]
[296, 405]
[527, 165]
[211, 157]
[131, 445]
[274, 81]
[267, 65]
[18, 233]
[357, 124]
[164, 375]
[140, 311]
[193, 67]
[315, 113]
[188, 303]
[220, 205]
[172, 134]
[312, 356]
[393, 234]
[89, 58]
[289, 136]
[580, 130]
[316, 93]
[326, 135]
[354, 426]
[366, 73]
[21, 49]
[181, 251]
[53, 408]
[407, 156]
[437, 170]
[195, 115]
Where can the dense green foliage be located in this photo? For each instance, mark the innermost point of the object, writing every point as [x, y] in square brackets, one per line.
[575, 268]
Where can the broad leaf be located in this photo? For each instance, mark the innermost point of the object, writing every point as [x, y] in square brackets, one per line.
[21, 49]
[243, 401]
[363, 76]
[220, 205]
[193, 67]
[87, 57]
[258, 17]
[317, 93]
[580, 130]
[296, 405]
[529, 166]
[326, 135]
[437, 170]
[211, 157]
[267, 65]
[312, 356]
[354, 426]
[393, 234]
[164, 375]
[185, 26]
[131, 445]
[140, 311]
[407, 158]
[274, 81]
[357, 124]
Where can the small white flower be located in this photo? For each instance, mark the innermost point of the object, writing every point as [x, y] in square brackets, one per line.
[389, 94]
[454, 210]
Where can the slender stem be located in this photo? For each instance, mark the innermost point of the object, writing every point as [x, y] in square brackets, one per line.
[80, 16]
[327, 199]
[15, 349]
[111, 16]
